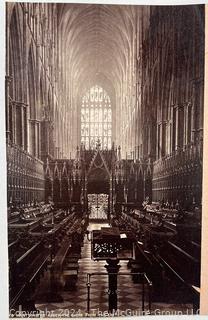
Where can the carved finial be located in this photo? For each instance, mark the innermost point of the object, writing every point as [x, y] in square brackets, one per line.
[98, 144]
[77, 153]
[56, 170]
[119, 153]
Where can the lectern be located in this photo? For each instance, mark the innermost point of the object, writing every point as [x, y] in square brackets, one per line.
[112, 245]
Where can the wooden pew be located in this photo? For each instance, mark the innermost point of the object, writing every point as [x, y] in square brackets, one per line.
[65, 265]
[181, 266]
[184, 264]
[70, 272]
[26, 270]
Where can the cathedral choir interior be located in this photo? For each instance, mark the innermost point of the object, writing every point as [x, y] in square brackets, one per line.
[104, 136]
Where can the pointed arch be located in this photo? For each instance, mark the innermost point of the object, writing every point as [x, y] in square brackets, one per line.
[96, 118]
[15, 55]
[31, 83]
[98, 162]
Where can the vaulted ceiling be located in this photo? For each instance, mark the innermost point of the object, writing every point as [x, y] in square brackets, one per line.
[96, 43]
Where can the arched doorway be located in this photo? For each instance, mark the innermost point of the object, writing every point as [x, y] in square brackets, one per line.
[98, 194]
[98, 206]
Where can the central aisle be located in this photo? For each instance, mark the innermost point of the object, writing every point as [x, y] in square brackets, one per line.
[75, 302]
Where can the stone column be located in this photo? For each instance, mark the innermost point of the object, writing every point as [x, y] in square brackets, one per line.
[176, 127]
[32, 137]
[185, 126]
[173, 128]
[24, 125]
[24, 57]
[35, 137]
[168, 141]
[159, 140]
[14, 140]
[20, 109]
[7, 103]
[163, 138]
[8, 79]
[189, 117]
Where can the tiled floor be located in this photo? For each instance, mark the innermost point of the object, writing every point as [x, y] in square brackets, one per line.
[75, 302]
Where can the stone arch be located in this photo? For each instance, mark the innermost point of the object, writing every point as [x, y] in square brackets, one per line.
[98, 181]
[34, 129]
[15, 61]
[15, 69]
[31, 84]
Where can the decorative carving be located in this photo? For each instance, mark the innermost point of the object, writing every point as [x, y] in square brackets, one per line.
[26, 176]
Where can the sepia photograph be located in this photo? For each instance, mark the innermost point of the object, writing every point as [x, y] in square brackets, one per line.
[104, 121]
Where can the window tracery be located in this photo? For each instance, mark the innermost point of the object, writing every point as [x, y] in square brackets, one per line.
[96, 119]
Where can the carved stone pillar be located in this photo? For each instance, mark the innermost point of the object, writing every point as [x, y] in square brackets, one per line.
[173, 128]
[51, 139]
[45, 134]
[163, 138]
[19, 123]
[185, 126]
[160, 140]
[24, 57]
[176, 127]
[13, 112]
[36, 126]
[179, 126]
[187, 123]
[35, 137]
[39, 138]
[189, 117]
[8, 80]
[24, 125]
[181, 130]
[168, 137]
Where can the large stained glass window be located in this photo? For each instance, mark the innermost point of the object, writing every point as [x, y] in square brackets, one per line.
[96, 119]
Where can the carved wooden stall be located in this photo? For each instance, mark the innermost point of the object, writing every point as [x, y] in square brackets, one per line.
[25, 176]
[69, 181]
